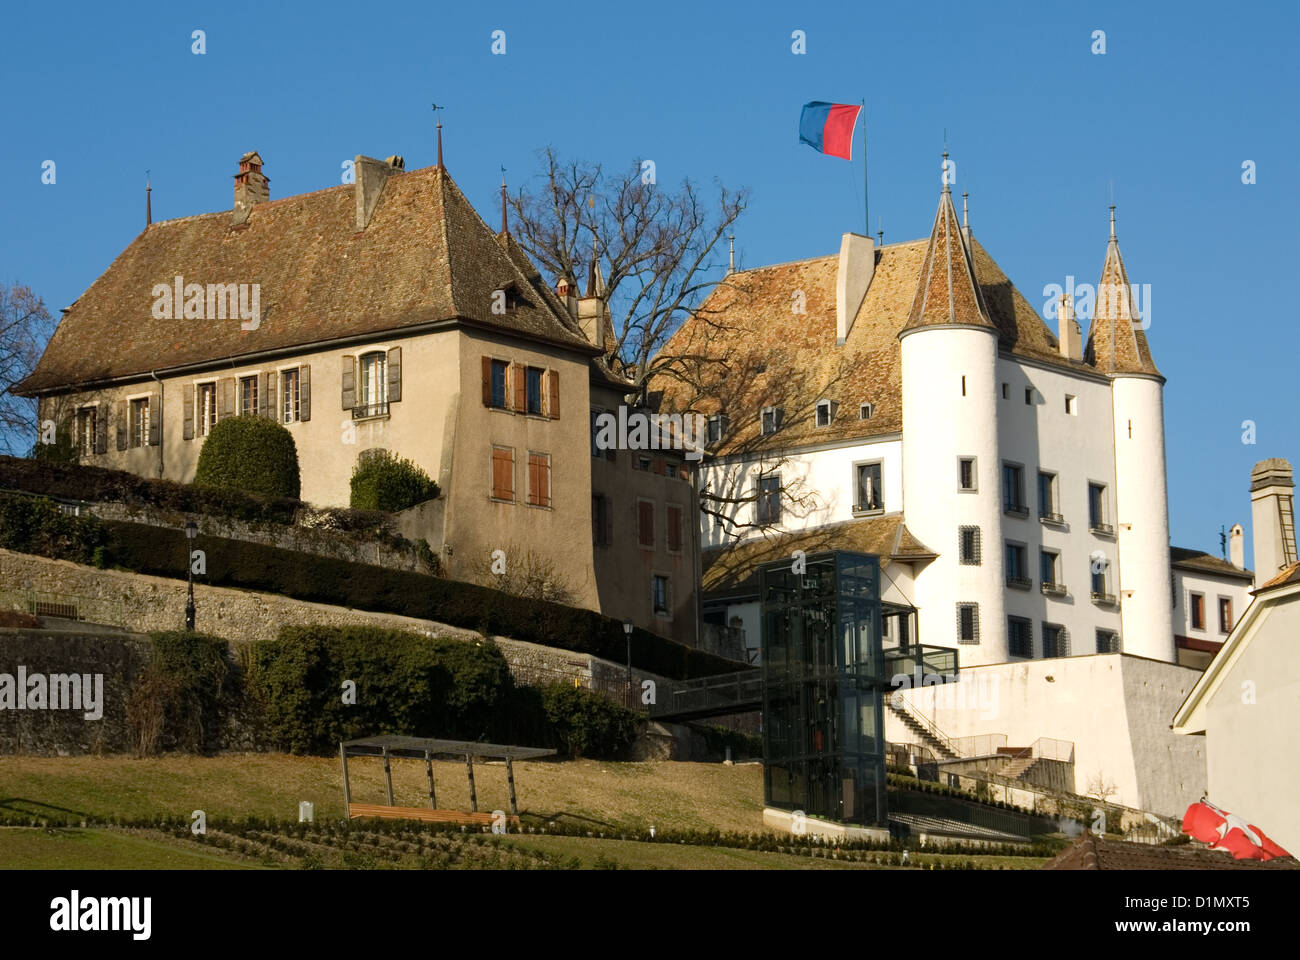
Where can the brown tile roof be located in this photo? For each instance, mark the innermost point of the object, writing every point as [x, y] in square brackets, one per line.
[425, 256]
[1200, 560]
[735, 569]
[947, 291]
[1115, 345]
[1090, 852]
[1287, 576]
[749, 349]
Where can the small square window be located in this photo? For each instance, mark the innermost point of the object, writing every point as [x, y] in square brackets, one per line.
[715, 428]
[1056, 641]
[1071, 405]
[968, 623]
[865, 411]
[825, 412]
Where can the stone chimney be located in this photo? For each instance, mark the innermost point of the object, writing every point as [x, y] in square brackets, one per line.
[251, 186]
[370, 176]
[857, 264]
[567, 291]
[1272, 515]
[1068, 332]
[1237, 546]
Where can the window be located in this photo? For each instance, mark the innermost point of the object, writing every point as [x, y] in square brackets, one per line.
[968, 539]
[248, 396]
[1225, 615]
[645, 523]
[968, 623]
[674, 528]
[869, 493]
[642, 463]
[1056, 641]
[1048, 563]
[966, 473]
[1198, 611]
[963, 386]
[1048, 505]
[539, 479]
[1029, 396]
[291, 390]
[1100, 576]
[503, 473]
[825, 412]
[497, 375]
[207, 393]
[1006, 390]
[865, 411]
[373, 400]
[771, 420]
[659, 595]
[1097, 509]
[534, 390]
[1017, 567]
[602, 520]
[86, 423]
[1071, 405]
[769, 498]
[1020, 637]
[1107, 641]
[140, 422]
[1013, 489]
[716, 428]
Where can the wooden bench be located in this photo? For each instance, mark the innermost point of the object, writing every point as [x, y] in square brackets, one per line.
[423, 813]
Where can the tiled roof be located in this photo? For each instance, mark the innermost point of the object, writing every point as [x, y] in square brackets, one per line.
[1200, 560]
[735, 569]
[1090, 852]
[1115, 343]
[1287, 576]
[947, 291]
[425, 256]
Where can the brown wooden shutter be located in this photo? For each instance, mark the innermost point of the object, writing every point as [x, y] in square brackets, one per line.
[349, 381]
[304, 392]
[119, 417]
[187, 407]
[268, 396]
[539, 480]
[227, 398]
[394, 374]
[155, 421]
[608, 521]
[101, 428]
[521, 388]
[487, 381]
[646, 523]
[553, 391]
[503, 473]
[674, 528]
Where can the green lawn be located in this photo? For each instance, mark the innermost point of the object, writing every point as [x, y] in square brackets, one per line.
[23, 848]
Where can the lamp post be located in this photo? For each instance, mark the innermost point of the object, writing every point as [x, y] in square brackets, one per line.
[627, 632]
[191, 531]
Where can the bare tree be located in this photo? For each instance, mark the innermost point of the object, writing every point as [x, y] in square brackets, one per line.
[1100, 787]
[526, 573]
[25, 329]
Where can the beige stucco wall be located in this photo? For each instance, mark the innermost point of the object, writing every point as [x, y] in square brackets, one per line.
[1252, 721]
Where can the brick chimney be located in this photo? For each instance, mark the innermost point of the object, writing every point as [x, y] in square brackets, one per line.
[251, 186]
[1069, 335]
[1272, 515]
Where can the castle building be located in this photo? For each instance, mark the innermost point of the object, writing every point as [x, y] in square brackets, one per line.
[907, 400]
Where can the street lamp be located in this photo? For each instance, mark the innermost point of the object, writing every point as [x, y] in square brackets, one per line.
[627, 632]
[191, 531]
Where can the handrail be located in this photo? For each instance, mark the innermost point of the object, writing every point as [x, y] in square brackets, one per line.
[897, 699]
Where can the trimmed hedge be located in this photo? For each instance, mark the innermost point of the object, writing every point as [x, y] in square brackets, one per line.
[36, 525]
[250, 454]
[252, 566]
[383, 481]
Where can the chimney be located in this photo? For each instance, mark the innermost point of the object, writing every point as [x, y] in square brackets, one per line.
[857, 264]
[1237, 546]
[251, 186]
[370, 176]
[567, 291]
[1272, 517]
[1068, 332]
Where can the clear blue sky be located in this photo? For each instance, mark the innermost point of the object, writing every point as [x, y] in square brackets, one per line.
[1038, 125]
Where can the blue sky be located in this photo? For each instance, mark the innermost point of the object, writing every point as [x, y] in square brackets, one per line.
[1039, 126]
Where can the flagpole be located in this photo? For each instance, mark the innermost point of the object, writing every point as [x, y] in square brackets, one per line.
[866, 210]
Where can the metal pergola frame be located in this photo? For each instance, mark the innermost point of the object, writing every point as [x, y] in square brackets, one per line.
[388, 746]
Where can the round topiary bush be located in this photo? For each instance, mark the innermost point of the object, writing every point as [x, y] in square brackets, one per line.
[251, 454]
[383, 481]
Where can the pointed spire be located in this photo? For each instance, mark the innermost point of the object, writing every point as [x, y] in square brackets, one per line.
[438, 114]
[148, 200]
[947, 291]
[1116, 341]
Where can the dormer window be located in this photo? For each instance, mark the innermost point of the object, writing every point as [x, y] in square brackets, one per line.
[715, 428]
[825, 412]
[865, 411]
[771, 420]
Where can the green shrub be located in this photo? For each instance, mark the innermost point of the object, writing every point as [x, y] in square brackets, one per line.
[586, 724]
[250, 454]
[383, 481]
[185, 695]
[36, 525]
[62, 450]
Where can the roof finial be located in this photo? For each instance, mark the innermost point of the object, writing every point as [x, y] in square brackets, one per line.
[965, 211]
[943, 167]
[880, 232]
[504, 226]
[1112, 221]
[148, 200]
[731, 256]
[436, 108]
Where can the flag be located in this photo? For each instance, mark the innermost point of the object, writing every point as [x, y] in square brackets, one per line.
[828, 127]
[1227, 831]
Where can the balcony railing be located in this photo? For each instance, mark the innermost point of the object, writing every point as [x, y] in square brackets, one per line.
[1106, 598]
[1019, 583]
[1054, 589]
[366, 410]
[1053, 518]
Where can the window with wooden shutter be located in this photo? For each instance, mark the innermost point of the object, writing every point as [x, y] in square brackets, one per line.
[187, 412]
[394, 374]
[539, 479]
[227, 398]
[268, 406]
[349, 382]
[520, 372]
[553, 394]
[645, 523]
[120, 424]
[153, 416]
[503, 473]
[487, 382]
[101, 430]
[304, 392]
[674, 528]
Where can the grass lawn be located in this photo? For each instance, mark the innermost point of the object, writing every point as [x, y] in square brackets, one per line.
[22, 848]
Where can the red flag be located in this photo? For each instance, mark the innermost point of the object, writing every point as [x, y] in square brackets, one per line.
[1227, 831]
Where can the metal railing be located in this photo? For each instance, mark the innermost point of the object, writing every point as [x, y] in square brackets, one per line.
[68, 606]
[719, 695]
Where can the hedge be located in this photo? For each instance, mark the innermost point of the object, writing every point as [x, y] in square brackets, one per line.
[253, 566]
[36, 525]
[251, 454]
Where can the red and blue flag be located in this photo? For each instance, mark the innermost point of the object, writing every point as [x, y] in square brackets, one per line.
[828, 127]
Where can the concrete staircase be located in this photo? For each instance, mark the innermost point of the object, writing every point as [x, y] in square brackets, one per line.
[925, 737]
